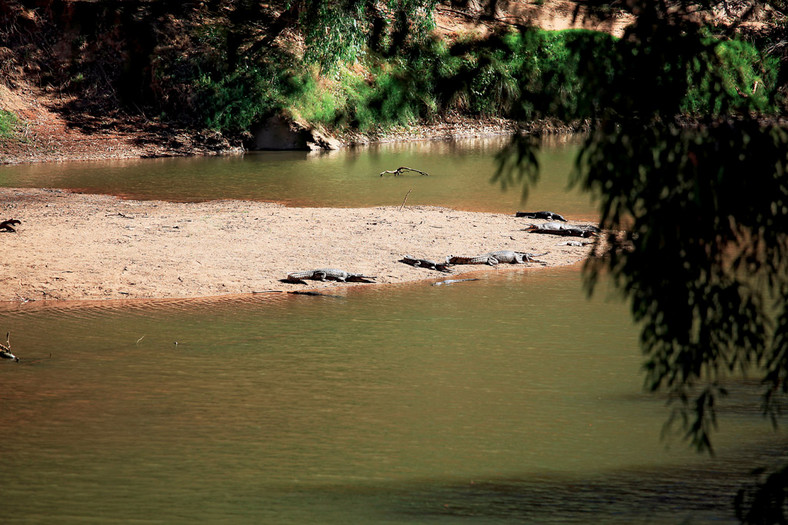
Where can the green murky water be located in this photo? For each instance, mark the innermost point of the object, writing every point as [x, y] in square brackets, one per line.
[507, 400]
[460, 173]
[513, 399]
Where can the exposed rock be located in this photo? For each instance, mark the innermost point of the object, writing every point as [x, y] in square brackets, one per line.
[280, 133]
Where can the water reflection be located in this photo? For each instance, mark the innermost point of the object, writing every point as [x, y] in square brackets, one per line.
[460, 173]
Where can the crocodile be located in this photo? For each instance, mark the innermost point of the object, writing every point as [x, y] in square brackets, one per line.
[8, 226]
[547, 215]
[574, 243]
[556, 228]
[327, 274]
[452, 281]
[314, 294]
[501, 256]
[426, 263]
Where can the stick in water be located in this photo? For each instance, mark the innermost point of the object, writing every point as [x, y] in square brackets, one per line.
[406, 198]
[399, 171]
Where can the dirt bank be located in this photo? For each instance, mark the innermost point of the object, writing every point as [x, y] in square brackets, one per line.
[75, 246]
[68, 118]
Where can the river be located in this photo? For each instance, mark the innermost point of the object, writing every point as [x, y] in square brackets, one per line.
[459, 177]
[511, 399]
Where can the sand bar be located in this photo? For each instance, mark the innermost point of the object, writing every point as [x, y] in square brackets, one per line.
[73, 246]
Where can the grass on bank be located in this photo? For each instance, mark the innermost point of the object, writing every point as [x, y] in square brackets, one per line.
[8, 124]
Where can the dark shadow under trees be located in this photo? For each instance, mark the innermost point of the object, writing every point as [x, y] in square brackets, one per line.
[703, 202]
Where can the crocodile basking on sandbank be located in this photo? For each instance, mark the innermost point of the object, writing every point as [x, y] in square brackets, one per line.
[328, 274]
[426, 263]
[501, 256]
[546, 215]
[556, 228]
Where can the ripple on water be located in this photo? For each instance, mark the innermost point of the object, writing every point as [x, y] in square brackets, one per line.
[512, 398]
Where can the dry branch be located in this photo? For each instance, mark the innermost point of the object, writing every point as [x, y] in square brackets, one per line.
[5, 349]
[399, 171]
[405, 199]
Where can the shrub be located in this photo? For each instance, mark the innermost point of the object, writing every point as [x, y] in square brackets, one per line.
[8, 123]
[233, 103]
[748, 81]
[523, 75]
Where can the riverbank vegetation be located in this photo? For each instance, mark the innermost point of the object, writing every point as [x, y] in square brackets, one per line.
[704, 262]
[518, 74]
[227, 65]
[8, 121]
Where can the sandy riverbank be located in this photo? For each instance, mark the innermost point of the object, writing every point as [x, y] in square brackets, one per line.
[75, 246]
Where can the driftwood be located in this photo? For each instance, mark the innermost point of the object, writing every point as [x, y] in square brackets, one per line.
[406, 198]
[399, 171]
[5, 349]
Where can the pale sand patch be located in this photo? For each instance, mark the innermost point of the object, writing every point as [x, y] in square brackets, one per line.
[74, 246]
